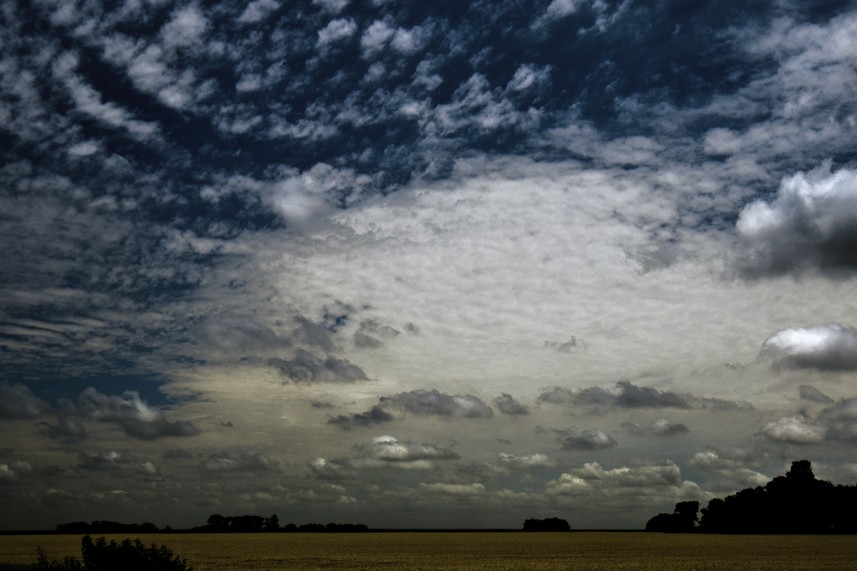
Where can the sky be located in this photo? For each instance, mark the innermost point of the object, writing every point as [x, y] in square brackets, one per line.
[422, 264]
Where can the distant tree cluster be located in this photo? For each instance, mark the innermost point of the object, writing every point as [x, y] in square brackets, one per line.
[794, 503]
[105, 526]
[549, 524]
[217, 523]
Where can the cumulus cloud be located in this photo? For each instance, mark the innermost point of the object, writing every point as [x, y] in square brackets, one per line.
[14, 470]
[830, 347]
[837, 422]
[525, 461]
[431, 402]
[325, 469]
[657, 427]
[375, 415]
[629, 395]
[798, 429]
[122, 461]
[239, 462]
[388, 451]
[135, 417]
[507, 404]
[16, 401]
[840, 419]
[307, 368]
[592, 439]
[656, 482]
[811, 224]
[66, 428]
[473, 489]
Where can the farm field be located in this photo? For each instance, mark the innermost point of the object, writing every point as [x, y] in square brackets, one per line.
[584, 551]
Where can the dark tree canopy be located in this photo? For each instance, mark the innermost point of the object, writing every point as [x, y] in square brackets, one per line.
[794, 503]
[549, 524]
[682, 519]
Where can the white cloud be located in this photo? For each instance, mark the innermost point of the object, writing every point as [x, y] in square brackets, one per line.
[336, 30]
[333, 6]
[526, 461]
[375, 37]
[810, 224]
[257, 11]
[795, 430]
[527, 76]
[186, 27]
[830, 347]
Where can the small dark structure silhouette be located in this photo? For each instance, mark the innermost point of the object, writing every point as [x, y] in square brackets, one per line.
[549, 524]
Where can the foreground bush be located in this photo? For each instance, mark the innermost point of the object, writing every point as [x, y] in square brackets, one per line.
[128, 555]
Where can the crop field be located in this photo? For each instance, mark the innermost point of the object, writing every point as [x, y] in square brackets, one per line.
[584, 551]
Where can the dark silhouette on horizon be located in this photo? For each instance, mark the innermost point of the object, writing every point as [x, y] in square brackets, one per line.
[794, 503]
[549, 524]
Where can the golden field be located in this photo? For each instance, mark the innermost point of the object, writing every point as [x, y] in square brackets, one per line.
[584, 551]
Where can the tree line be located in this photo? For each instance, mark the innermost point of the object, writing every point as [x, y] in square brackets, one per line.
[795, 503]
[216, 523]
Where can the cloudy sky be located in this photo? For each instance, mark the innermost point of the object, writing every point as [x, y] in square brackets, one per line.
[422, 264]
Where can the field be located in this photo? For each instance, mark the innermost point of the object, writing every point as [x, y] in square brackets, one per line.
[584, 551]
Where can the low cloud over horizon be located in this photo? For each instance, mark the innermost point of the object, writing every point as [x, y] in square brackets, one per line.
[423, 265]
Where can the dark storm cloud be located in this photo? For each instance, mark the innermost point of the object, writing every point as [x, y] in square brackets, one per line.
[66, 428]
[830, 347]
[135, 417]
[374, 416]
[811, 224]
[629, 395]
[632, 396]
[431, 402]
[307, 368]
[812, 394]
[507, 404]
[16, 401]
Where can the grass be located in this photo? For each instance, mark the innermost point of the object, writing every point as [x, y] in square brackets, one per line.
[584, 551]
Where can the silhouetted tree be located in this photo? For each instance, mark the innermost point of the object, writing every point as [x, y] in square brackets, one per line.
[272, 523]
[549, 524]
[794, 503]
[683, 519]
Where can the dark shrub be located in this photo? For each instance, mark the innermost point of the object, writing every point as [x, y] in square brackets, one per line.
[99, 555]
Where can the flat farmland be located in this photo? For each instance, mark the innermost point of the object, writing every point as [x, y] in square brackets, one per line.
[584, 551]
